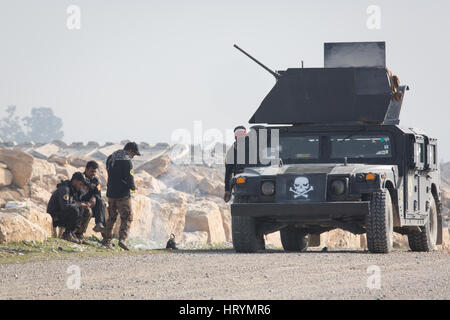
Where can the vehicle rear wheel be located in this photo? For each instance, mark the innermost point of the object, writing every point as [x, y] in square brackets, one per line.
[380, 223]
[426, 239]
[245, 238]
[293, 239]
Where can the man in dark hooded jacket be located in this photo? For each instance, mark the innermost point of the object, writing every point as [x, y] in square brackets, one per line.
[65, 205]
[235, 162]
[119, 188]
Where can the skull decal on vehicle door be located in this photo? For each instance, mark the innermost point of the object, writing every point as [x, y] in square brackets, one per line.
[301, 188]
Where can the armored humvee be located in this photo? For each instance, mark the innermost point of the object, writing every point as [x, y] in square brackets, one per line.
[342, 159]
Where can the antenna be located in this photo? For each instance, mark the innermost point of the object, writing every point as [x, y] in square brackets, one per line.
[274, 73]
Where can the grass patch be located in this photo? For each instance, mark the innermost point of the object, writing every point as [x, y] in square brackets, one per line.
[58, 249]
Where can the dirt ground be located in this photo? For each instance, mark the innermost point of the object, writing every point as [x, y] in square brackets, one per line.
[222, 274]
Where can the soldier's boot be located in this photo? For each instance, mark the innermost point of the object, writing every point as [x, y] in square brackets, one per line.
[123, 245]
[81, 238]
[107, 243]
[79, 232]
[69, 236]
[99, 227]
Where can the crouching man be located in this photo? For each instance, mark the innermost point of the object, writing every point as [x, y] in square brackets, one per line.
[93, 198]
[65, 205]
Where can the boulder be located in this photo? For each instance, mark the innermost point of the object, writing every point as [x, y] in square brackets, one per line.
[195, 238]
[77, 145]
[14, 228]
[61, 144]
[205, 216]
[104, 152]
[147, 182]
[156, 167]
[37, 216]
[66, 172]
[180, 154]
[41, 195]
[59, 160]
[211, 187]
[28, 144]
[10, 144]
[446, 198]
[190, 181]
[8, 194]
[162, 145]
[273, 240]
[400, 241]
[340, 239]
[446, 240]
[169, 212]
[142, 217]
[174, 176]
[45, 151]
[93, 144]
[141, 227]
[144, 146]
[102, 173]
[42, 168]
[19, 163]
[3, 165]
[78, 161]
[6, 177]
[225, 212]
[107, 144]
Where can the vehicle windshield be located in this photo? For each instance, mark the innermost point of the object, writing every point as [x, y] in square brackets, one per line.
[295, 148]
[360, 146]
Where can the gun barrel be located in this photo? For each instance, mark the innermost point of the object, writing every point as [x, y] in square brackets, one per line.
[274, 73]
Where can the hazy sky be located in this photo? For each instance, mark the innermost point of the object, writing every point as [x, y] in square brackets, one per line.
[141, 69]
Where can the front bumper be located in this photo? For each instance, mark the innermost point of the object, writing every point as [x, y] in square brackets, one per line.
[302, 211]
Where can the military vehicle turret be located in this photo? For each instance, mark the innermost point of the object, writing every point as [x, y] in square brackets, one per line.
[338, 159]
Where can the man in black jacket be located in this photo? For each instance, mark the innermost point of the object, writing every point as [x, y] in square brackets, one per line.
[119, 189]
[66, 207]
[93, 197]
[234, 163]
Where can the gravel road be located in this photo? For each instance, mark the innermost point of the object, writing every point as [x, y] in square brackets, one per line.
[226, 275]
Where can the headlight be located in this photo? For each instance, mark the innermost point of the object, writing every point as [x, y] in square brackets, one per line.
[366, 177]
[268, 188]
[338, 187]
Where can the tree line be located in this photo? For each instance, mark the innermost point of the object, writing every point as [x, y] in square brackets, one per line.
[41, 126]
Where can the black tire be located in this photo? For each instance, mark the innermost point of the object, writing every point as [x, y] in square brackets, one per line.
[380, 223]
[293, 239]
[426, 239]
[245, 239]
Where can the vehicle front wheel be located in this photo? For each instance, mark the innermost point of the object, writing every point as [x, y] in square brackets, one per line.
[245, 238]
[380, 223]
[293, 239]
[426, 239]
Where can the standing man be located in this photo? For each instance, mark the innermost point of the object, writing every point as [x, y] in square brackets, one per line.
[233, 163]
[66, 207]
[93, 197]
[120, 186]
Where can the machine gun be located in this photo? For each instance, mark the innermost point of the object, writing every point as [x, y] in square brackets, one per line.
[272, 72]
